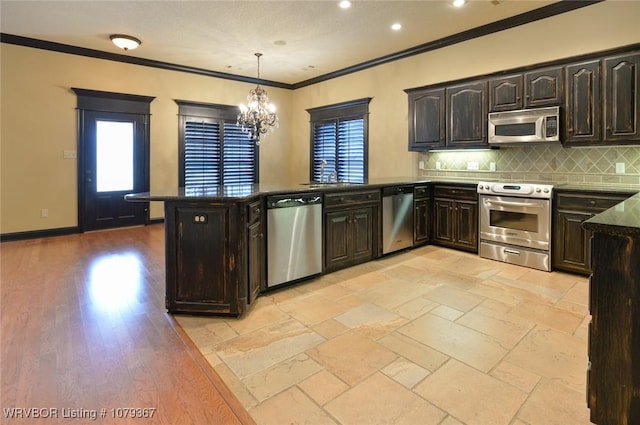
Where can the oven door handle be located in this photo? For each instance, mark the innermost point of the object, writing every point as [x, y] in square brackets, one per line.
[513, 204]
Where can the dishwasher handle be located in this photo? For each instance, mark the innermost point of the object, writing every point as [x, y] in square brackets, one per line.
[396, 190]
[290, 201]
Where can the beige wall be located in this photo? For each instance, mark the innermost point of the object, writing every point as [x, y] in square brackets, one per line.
[39, 122]
[38, 117]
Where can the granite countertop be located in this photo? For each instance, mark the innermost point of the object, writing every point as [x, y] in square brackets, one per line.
[622, 219]
[246, 191]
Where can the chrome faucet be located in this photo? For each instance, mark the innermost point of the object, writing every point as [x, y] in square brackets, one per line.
[333, 177]
[322, 165]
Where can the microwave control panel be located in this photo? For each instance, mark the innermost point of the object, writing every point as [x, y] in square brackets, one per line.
[551, 126]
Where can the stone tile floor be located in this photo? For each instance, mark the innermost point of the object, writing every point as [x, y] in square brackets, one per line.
[429, 336]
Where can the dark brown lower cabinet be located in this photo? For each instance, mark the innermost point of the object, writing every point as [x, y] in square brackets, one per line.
[209, 266]
[571, 242]
[455, 212]
[421, 215]
[256, 251]
[350, 228]
[613, 377]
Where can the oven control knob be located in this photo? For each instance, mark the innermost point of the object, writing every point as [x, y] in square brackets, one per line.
[538, 190]
[480, 187]
[546, 190]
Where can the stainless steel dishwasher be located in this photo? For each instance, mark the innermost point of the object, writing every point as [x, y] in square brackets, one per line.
[294, 237]
[397, 218]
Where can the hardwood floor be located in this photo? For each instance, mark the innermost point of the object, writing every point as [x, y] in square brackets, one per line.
[85, 332]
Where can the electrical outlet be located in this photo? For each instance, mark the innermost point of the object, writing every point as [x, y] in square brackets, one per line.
[620, 167]
[44, 213]
[69, 154]
[438, 165]
[421, 165]
[473, 165]
[492, 166]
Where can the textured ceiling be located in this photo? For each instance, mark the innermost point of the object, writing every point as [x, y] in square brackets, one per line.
[300, 40]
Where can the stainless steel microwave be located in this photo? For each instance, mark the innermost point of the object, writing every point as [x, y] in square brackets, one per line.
[538, 125]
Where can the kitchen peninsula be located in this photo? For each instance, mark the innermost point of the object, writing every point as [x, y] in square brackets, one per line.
[215, 237]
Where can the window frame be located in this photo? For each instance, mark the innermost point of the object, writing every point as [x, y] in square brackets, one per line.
[224, 114]
[353, 109]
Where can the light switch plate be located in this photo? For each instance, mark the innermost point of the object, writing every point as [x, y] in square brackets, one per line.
[438, 165]
[620, 167]
[492, 166]
[69, 154]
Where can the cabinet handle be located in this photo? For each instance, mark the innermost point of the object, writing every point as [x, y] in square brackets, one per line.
[592, 202]
[257, 210]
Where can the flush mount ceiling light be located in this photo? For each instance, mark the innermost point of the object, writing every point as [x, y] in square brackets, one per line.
[345, 4]
[258, 117]
[458, 3]
[396, 26]
[125, 42]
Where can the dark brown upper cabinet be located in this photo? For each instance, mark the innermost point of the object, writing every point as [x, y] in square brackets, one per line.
[622, 99]
[543, 87]
[583, 108]
[467, 115]
[427, 119]
[505, 93]
[599, 96]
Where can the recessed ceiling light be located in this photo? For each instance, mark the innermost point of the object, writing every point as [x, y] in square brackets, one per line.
[345, 4]
[396, 27]
[458, 3]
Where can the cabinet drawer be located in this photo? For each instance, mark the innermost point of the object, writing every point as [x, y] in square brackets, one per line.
[351, 198]
[254, 211]
[456, 192]
[588, 201]
[420, 192]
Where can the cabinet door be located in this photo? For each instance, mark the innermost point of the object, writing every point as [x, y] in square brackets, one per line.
[543, 88]
[622, 98]
[571, 247]
[255, 246]
[443, 226]
[426, 119]
[466, 224]
[505, 93]
[584, 116]
[361, 222]
[336, 238]
[421, 219]
[201, 256]
[467, 115]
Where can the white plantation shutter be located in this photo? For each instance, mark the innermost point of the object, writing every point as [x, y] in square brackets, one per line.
[214, 150]
[340, 137]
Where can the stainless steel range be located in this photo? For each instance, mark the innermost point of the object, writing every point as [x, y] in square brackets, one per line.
[515, 223]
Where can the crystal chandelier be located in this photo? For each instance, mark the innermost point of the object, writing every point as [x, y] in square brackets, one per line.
[258, 117]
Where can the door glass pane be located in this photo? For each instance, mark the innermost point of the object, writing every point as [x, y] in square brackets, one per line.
[114, 156]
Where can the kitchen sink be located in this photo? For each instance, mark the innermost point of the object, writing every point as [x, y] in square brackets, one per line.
[327, 184]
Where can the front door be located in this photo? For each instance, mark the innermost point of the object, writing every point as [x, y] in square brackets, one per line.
[113, 163]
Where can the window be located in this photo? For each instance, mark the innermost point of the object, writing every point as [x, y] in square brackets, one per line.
[339, 136]
[213, 149]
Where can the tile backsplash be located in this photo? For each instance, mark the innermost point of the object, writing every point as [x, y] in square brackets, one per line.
[549, 163]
